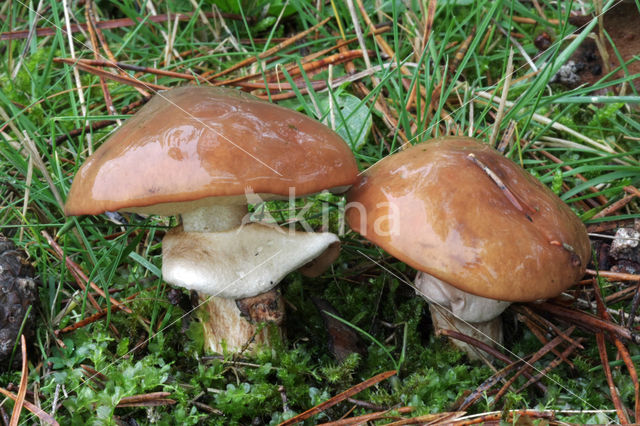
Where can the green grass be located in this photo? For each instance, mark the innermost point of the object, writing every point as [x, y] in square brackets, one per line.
[159, 346]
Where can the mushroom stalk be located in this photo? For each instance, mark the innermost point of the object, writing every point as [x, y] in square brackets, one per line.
[454, 309]
[235, 267]
[226, 326]
[214, 218]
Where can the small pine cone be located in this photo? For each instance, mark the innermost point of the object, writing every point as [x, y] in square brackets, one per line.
[18, 291]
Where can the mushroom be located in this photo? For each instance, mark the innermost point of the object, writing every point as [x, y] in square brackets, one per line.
[205, 153]
[481, 230]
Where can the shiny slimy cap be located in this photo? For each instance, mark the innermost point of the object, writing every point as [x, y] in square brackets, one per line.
[458, 210]
[194, 146]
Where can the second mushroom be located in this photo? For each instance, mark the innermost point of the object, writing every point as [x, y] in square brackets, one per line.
[480, 230]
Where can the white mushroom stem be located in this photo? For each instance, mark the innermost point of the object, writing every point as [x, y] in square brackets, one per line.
[214, 218]
[224, 260]
[454, 309]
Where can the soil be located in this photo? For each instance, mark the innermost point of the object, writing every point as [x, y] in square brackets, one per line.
[587, 65]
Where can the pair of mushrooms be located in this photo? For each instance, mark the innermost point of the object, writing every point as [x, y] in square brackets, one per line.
[204, 153]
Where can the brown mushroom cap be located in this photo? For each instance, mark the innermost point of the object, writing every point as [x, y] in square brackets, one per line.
[436, 209]
[193, 143]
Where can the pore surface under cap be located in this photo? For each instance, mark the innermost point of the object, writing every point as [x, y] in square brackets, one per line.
[436, 209]
[195, 142]
[238, 263]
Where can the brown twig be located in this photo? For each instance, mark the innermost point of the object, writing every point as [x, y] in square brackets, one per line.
[618, 276]
[359, 420]
[635, 303]
[93, 125]
[507, 136]
[537, 331]
[295, 70]
[620, 295]
[539, 354]
[633, 374]
[428, 419]
[587, 321]
[207, 408]
[437, 90]
[462, 51]
[91, 27]
[113, 23]
[610, 225]
[107, 51]
[152, 399]
[366, 404]
[602, 349]
[614, 207]
[622, 350]
[37, 411]
[22, 390]
[486, 348]
[543, 373]
[585, 204]
[111, 76]
[76, 269]
[88, 320]
[476, 343]
[511, 416]
[4, 416]
[94, 375]
[382, 43]
[428, 26]
[545, 323]
[83, 287]
[484, 387]
[339, 398]
[91, 319]
[276, 87]
[120, 65]
[524, 20]
[632, 190]
[380, 102]
[269, 52]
